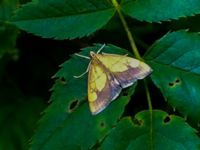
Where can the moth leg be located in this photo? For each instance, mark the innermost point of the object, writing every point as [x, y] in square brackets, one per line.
[79, 76]
[82, 56]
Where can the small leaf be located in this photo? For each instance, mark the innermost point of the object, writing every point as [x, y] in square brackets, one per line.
[167, 132]
[160, 10]
[175, 60]
[68, 123]
[64, 19]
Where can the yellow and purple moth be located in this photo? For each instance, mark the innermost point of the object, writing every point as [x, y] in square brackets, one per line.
[108, 75]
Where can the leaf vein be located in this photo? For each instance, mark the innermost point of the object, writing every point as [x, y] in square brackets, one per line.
[64, 16]
[176, 67]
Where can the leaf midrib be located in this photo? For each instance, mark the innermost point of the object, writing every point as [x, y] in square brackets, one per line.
[175, 67]
[64, 16]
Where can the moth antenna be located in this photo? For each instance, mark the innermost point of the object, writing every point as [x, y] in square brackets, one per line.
[101, 48]
[79, 76]
[82, 56]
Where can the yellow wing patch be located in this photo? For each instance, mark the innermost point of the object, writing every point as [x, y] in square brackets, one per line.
[96, 81]
[117, 63]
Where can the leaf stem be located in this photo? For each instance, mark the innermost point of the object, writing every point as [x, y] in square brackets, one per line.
[137, 55]
[150, 113]
[148, 96]
[135, 50]
[128, 32]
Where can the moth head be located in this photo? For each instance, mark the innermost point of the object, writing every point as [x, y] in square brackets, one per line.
[92, 53]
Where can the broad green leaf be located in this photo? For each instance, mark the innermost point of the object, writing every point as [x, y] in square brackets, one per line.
[166, 132]
[160, 10]
[64, 19]
[175, 60]
[68, 123]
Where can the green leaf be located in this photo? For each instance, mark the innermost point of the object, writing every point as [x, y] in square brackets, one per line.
[64, 19]
[175, 60]
[160, 10]
[68, 123]
[167, 132]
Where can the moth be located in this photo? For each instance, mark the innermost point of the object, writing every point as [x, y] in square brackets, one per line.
[108, 75]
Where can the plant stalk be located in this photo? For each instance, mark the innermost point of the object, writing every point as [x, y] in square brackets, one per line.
[137, 55]
[128, 32]
[150, 114]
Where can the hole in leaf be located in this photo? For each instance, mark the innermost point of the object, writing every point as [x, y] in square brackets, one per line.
[171, 84]
[138, 122]
[167, 119]
[178, 81]
[62, 80]
[73, 105]
[102, 124]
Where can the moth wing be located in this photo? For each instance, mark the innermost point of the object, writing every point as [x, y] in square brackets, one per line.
[125, 69]
[102, 87]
